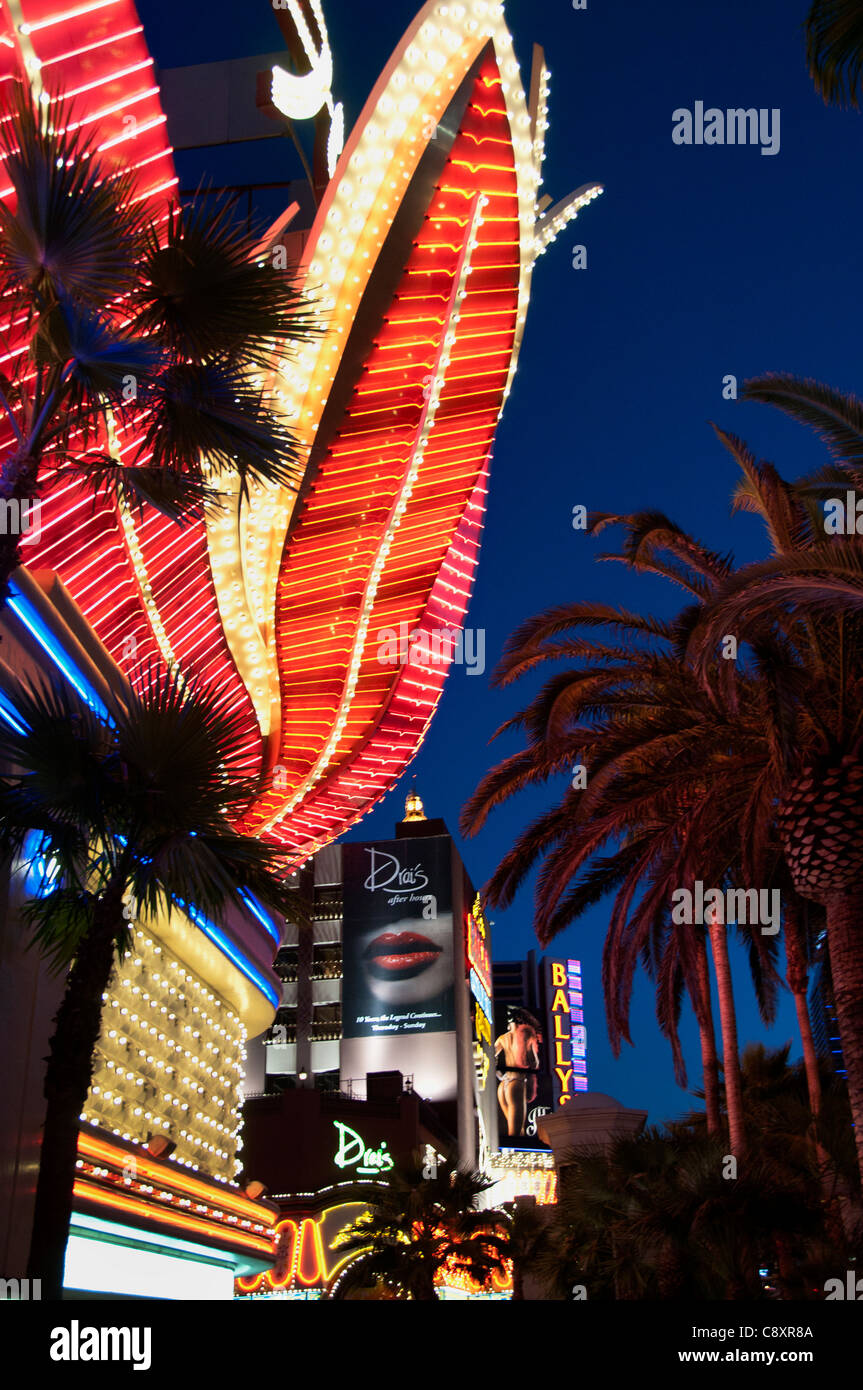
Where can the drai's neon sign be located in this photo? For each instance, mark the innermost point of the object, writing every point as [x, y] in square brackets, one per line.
[352, 1152]
[299, 97]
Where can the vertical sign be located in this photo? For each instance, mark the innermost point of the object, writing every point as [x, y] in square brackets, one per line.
[478, 963]
[568, 1038]
[578, 1030]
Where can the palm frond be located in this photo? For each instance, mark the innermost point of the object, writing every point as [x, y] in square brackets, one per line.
[834, 415]
[834, 50]
[75, 231]
[205, 296]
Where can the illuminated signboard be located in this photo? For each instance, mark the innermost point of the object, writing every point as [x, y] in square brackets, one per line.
[353, 1153]
[480, 973]
[307, 1254]
[476, 937]
[482, 1045]
[568, 1033]
[480, 995]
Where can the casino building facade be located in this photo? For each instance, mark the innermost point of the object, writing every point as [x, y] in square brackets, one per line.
[420, 258]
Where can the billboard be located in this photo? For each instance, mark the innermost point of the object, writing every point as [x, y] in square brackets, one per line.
[397, 939]
[524, 1087]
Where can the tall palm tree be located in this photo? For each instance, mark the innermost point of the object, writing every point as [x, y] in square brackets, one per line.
[684, 781]
[639, 721]
[417, 1227]
[834, 50]
[167, 331]
[138, 803]
[809, 598]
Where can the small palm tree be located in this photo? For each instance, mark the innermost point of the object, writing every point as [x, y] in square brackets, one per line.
[417, 1228]
[135, 804]
[834, 50]
[146, 345]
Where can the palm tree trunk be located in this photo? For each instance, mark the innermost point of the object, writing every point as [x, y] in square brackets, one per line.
[67, 1082]
[728, 1028]
[845, 943]
[707, 1037]
[797, 975]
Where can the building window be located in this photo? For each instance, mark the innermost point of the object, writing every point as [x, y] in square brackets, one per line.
[284, 1029]
[326, 1022]
[327, 963]
[285, 964]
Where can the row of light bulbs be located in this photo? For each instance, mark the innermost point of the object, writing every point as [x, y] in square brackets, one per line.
[215, 1018]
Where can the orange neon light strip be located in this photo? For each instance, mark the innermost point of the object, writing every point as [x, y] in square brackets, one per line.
[134, 1206]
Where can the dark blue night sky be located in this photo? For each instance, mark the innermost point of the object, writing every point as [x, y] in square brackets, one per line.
[702, 261]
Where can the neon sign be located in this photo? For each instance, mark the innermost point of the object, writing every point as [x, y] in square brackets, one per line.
[306, 1254]
[480, 994]
[352, 1151]
[568, 1033]
[481, 1046]
[477, 948]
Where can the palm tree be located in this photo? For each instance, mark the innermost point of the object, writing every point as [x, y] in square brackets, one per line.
[645, 728]
[526, 1241]
[834, 50]
[655, 1216]
[138, 803]
[154, 337]
[809, 599]
[417, 1228]
[686, 757]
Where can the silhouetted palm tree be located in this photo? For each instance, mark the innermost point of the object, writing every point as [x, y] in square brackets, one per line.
[698, 766]
[665, 1215]
[526, 1241]
[807, 601]
[834, 50]
[135, 804]
[664, 756]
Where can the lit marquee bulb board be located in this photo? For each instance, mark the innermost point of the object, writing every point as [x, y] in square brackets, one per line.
[278, 604]
[169, 1060]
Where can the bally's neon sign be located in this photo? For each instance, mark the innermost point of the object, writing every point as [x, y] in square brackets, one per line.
[569, 1035]
[352, 1151]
